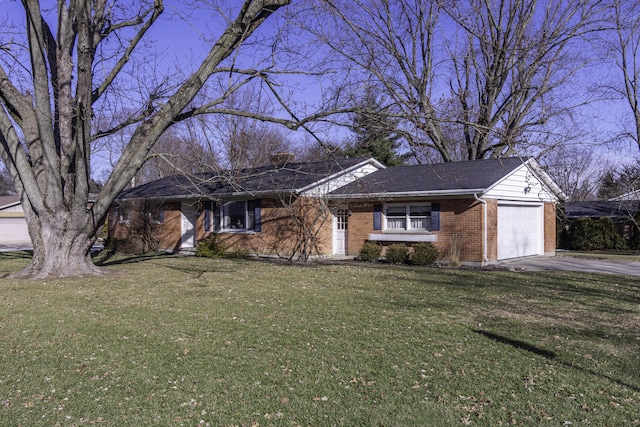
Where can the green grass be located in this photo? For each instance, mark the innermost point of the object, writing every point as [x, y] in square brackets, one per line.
[192, 341]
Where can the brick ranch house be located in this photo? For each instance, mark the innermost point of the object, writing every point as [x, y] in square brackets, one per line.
[495, 209]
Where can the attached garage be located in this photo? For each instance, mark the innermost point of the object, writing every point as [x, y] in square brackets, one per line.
[13, 230]
[13, 226]
[520, 230]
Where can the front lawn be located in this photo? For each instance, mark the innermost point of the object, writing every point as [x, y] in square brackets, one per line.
[192, 341]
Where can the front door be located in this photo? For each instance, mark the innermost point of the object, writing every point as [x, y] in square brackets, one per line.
[188, 214]
[340, 227]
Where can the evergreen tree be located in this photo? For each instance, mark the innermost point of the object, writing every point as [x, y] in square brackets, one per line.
[375, 133]
[618, 182]
[609, 187]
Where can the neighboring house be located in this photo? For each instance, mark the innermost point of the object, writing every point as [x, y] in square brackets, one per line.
[630, 196]
[621, 210]
[13, 226]
[496, 209]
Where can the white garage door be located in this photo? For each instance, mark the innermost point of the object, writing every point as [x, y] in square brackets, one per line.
[520, 231]
[14, 230]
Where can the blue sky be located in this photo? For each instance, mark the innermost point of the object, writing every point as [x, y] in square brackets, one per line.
[181, 45]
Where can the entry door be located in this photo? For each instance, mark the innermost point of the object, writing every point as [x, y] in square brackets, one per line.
[340, 227]
[188, 214]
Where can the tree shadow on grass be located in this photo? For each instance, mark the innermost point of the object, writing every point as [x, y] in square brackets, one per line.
[14, 255]
[106, 259]
[115, 259]
[517, 344]
[550, 355]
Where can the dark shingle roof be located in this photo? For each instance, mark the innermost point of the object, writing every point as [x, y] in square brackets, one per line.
[601, 209]
[9, 200]
[266, 179]
[454, 176]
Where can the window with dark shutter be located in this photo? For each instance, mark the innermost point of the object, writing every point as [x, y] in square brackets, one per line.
[377, 217]
[207, 217]
[257, 215]
[435, 217]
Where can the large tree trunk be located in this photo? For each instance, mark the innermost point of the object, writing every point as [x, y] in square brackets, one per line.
[61, 245]
[46, 125]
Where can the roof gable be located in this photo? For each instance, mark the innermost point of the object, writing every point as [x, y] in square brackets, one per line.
[468, 176]
[454, 178]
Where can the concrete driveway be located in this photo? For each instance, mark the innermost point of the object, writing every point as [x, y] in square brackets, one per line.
[568, 263]
[25, 246]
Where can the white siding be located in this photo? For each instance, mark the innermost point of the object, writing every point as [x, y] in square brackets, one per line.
[340, 180]
[13, 209]
[14, 230]
[522, 184]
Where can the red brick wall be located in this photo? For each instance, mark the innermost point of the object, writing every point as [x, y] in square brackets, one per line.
[169, 231]
[492, 229]
[461, 220]
[280, 225]
[360, 225]
[461, 217]
[549, 228]
[279, 236]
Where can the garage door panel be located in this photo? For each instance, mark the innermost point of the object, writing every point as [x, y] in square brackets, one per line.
[519, 231]
[14, 230]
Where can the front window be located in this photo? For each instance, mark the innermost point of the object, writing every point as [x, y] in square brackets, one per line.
[238, 215]
[408, 217]
[123, 215]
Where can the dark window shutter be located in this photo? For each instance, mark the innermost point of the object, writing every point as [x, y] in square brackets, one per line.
[257, 215]
[161, 215]
[215, 207]
[377, 217]
[207, 216]
[435, 217]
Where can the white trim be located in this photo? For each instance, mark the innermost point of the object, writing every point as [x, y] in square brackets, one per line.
[188, 217]
[407, 194]
[353, 169]
[548, 188]
[485, 229]
[334, 233]
[222, 216]
[539, 229]
[407, 217]
[403, 237]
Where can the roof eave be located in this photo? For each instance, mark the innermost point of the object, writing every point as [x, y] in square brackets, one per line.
[411, 194]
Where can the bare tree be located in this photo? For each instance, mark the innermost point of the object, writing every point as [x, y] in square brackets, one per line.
[578, 170]
[73, 70]
[302, 226]
[176, 153]
[242, 141]
[622, 44]
[468, 79]
[5, 181]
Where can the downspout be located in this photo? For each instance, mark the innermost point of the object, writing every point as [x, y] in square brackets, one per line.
[484, 228]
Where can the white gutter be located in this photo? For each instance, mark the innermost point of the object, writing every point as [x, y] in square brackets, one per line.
[484, 228]
[439, 193]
